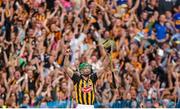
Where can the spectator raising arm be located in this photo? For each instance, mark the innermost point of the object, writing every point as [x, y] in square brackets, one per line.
[5, 58]
[31, 52]
[105, 64]
[22, 49]
[68, 69]
[133, 9]
[56, 80]
[4, 76]
[62, 20]
[48, 18]
[2, 17]
[40, 89]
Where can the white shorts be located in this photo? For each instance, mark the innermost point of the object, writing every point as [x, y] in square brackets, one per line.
[82, 106]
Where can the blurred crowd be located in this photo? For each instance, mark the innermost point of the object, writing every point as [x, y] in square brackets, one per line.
[144, 36]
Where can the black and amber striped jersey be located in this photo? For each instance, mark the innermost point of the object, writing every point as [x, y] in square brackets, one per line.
[85, 90]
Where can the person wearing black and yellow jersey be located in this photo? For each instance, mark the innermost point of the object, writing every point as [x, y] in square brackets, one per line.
[84, 87]
[84, 81]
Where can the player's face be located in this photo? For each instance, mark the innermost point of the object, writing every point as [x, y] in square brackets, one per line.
[86, 71]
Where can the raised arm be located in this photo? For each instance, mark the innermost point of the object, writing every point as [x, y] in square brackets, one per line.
[4, 76]
[102, 8]
[105, 13]
[107, 19]
[12, 47]
[130, 20]
[26, 25]
[136, 76]
[77, 14]
[22, 49]
[106, 62]
[56, 80]
[40, 89]
[49, 17]
[5, 58]
[53, 14]
[2, 17]
[9, 92]
[145, 70]
[62, 20]
[40, 70]
[68, 69]
[133, 9]
[31, 53]
[89, 52]
[102, 50]
[170, 68]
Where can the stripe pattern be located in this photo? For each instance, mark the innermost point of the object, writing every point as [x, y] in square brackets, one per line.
[84, 92]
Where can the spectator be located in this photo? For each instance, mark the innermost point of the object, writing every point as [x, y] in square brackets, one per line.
[161, 30]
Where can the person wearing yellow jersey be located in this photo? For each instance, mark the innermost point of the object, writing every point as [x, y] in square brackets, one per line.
[84, 81]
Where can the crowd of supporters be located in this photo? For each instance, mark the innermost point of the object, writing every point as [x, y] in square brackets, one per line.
[141, 36]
